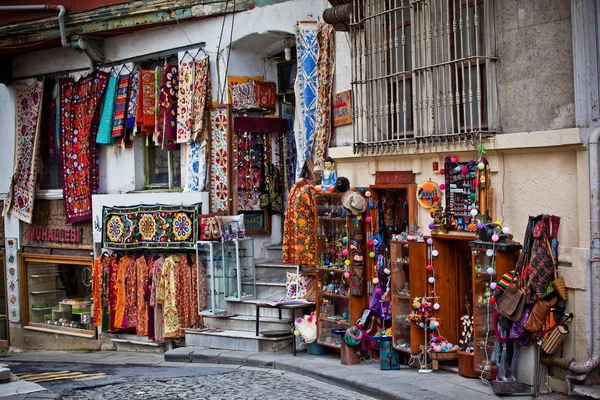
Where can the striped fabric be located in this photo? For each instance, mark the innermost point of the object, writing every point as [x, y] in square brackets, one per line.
[120, 107]
[507, 279]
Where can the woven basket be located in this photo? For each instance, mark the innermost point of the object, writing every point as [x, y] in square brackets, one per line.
[555, 338]
[437, 357]
[561, 289]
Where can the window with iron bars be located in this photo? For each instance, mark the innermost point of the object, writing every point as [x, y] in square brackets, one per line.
[422, 71]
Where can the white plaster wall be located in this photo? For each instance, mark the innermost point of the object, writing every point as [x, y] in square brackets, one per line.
[342, 135]
[7, 137]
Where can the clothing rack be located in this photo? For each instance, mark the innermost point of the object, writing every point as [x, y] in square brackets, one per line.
[111, 63]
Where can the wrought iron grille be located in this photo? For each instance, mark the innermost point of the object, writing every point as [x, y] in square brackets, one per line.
[422, 71]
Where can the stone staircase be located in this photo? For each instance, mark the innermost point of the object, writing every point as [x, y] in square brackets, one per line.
[238, 331]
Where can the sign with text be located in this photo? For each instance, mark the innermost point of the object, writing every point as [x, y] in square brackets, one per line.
[12, 280]
[428, 194]
[342, 109]
[39, 234]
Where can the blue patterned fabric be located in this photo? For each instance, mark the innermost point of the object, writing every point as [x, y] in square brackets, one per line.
[306, 91]
[106, 115]
[196, 167]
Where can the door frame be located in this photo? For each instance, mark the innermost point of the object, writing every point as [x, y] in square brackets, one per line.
[4, 343]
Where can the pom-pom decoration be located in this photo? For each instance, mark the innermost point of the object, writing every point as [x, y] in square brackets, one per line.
[465, 170]
[490, 271]
[472, 196]
[431, 326]
[505, 230]
[367, 219]
[298, 320]
[489, 252]
[480, 227]
[481, 166]
[431, 279]
[386, 271]
[493, 286]
[499, 223]
[458, 168]
[475, 182]
[375, 281]
[345, 239]
[454, 158]
[471, 227]
[492, 301]
[471, 163]
[436, 198]
[436, 324]
[442, 186]
[372, 254]
[378, 291]
[345, 252]
[367, 194]
[495, 238]
[442, 171]
[370, 243]
[430, 241]
[447, 159]
[435, 253]
[346, 274]
[436, 306]
[371, 206]
[429, 267]
[431, 225]
[296, 333]
[474, 212]
[434, 340]
[347, 262]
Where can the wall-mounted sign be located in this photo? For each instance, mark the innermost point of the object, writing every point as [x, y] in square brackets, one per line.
[12, 282]
[428, 194]
[342, 109]
[55, 235]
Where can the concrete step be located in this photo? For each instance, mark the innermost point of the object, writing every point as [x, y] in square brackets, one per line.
[247, 323]
[588, 392]
[273, 253]
[248, 308]
[127, 342]
[273, 272]
[270, 290]
[238, 340]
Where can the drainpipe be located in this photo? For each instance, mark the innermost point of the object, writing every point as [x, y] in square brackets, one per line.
[594, 270]
[50, 7]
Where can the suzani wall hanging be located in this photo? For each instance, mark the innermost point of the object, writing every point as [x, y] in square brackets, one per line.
[219, 156]
[145, 226]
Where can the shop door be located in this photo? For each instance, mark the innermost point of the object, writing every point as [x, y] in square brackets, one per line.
[3, 304]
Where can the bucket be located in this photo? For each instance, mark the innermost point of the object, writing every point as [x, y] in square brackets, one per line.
[316, 349]
[389, 358]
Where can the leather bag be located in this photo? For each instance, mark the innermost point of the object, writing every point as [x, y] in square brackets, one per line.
[538, 316]
[511, 303]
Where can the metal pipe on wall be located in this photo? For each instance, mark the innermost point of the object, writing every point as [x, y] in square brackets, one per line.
[49, 7]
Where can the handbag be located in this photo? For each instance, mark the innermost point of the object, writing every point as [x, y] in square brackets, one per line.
[559, 281]
[537, 316]
[511, 303]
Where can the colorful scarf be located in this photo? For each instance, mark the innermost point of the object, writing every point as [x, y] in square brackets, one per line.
[120, 108]
[21, 195]
[146, 104]
[78, 124]
[201, 99]
[196, 167]
[133, 101]
[168, 108]
[219, 183]
[106, 113]
[157, 80]
[306, 91]
[184, 101]
[325, 66]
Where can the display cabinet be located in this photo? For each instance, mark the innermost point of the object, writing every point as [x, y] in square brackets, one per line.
[487, 269]
[239, 269]
[340, 302]
[211, 278]
[407, 281]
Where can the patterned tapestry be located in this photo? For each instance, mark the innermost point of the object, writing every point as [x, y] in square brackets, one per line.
[289, 146]
[325, 67]
[79, 124]
[145, 117]
[219, 184]
[120, 107]
[201, 99]
[184, 101]
[305, 88]
[167, 108]
[145, 226]
[107, 108]
[195, 177]
[21, 194]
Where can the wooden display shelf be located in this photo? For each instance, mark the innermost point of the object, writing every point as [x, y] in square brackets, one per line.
[332, 270]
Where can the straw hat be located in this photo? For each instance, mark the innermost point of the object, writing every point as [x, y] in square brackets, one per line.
[354, 202]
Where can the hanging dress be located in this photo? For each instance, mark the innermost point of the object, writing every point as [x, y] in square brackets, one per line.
[167, 296]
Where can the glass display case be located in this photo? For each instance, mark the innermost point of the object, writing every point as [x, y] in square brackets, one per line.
[333, 301]
[239, 269]
[489, 264]
[211, 278]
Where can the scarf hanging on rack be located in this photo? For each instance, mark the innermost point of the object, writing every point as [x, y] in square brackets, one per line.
[184, 101]
[201, 99]
[141, 270]
[168, 108]
[120, 107]
[132, 101]
[107, 110]
[195, 177]
[157, 80]
[146, 103]
[79, 123]
[21, 195]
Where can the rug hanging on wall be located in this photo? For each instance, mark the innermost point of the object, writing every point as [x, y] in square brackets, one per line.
[79, 124]
[145, 226]
[289, 146]
[306, 91]
[21, 195]
[195, 176]
[219, 183]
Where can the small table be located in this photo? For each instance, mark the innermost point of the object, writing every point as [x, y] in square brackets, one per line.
[284, 306]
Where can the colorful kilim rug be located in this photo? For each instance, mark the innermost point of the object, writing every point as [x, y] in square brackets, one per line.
[325, 67]
[118, 127]
[21, 194]
[145, 226]
[219, 183]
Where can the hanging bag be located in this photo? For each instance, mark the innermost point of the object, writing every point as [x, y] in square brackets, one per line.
[538, 316]
[559, 281]
[511, 303]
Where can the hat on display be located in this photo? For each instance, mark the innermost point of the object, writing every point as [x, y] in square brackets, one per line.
[354, 202]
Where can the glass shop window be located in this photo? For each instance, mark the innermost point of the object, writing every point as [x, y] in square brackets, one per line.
[50, 166]
[163, 168]
[60, 294]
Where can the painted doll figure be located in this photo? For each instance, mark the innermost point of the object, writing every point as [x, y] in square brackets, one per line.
[329, 178]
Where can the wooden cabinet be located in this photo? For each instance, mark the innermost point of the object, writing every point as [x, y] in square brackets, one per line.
[408, 280]
[487, 269]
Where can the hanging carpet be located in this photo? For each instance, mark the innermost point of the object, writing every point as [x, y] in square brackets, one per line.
[219, 182]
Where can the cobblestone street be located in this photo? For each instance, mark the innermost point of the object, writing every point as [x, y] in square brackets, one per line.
[197, 382]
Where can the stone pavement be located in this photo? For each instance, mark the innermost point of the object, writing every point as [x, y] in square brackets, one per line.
[365, 378]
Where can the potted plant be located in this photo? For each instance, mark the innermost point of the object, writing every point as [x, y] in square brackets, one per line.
[466, 360]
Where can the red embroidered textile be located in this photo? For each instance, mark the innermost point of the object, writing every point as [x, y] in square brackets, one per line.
[78, 127]
[265, 94]
[145, 117]
[167, 108]
[119, 116]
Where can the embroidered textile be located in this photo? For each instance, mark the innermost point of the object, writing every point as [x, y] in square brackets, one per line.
[141, 270]
[97, 293]
[243, 96]
[121, 292]
[204, 292]
[146, 103]
[132, 100]
[79, 123]
[219, 184]
[21, 195]
[289, 147]
[158, 226]
[195, 176]
[299, 245]
[195, 317]
[167, 296]
[159, 332]
[49, 142]
[306, 91]
[325, 67]
[265, 94]
[184, 293]
[184, 101]
[157, 80]
[168, 108]
[120, 107]
[113, 273]
[107, 110]
[201, 99]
